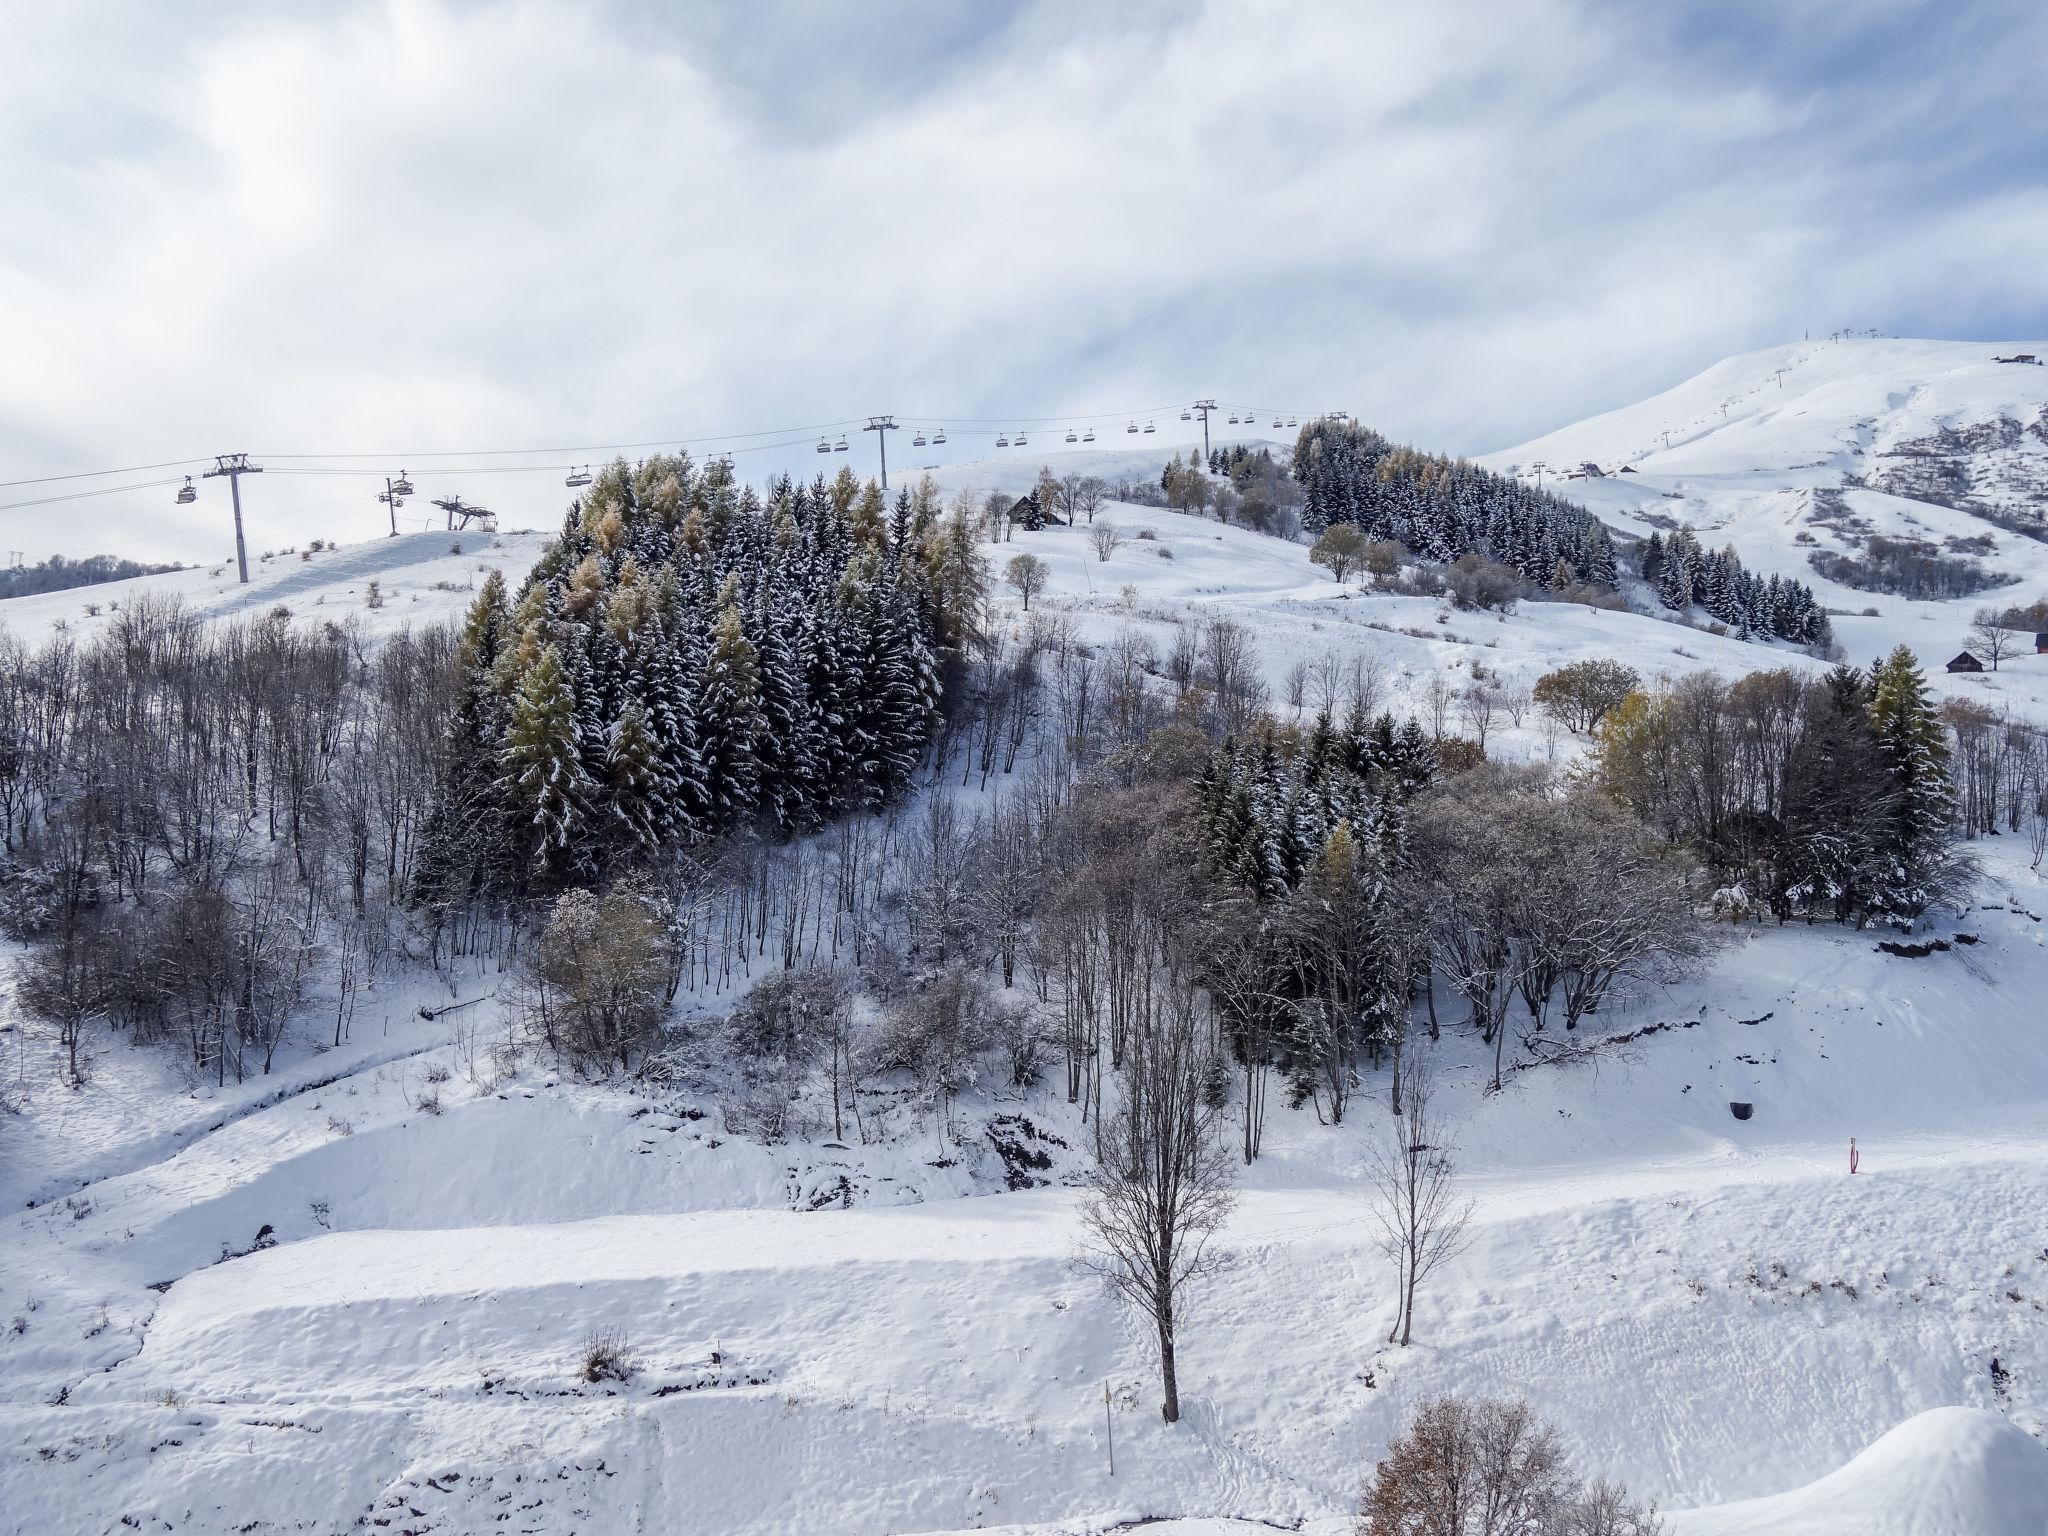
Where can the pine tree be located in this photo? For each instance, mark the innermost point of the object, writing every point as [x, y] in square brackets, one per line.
[729, 718]
[1916, 843]
[542, 768]
[642, 794]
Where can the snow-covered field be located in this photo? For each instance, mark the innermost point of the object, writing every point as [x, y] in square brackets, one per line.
[352, 1295]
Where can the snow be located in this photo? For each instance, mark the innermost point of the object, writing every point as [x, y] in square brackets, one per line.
[422, 578]
[1808, 417]
[1945, 1472]
[867, 1339]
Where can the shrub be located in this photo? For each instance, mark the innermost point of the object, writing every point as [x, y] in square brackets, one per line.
[594, 988]
[1477, 582]
[607, 1356]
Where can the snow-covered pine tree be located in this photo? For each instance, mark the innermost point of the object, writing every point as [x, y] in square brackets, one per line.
[1916, 841]
[541, 769]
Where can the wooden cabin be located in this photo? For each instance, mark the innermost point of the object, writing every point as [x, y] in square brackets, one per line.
[1965, 662]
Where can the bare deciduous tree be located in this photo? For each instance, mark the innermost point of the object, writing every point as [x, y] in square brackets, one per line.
[1990, 638]
[1162, 1186]
[1421, 1217]
[1027, 574]
[1105, 539]
[1491, 1468]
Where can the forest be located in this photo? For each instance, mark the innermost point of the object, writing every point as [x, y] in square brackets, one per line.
[709, 708]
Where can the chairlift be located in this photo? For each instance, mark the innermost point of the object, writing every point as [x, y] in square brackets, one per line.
[1292, 422]
[1278, 422]
[840, 446]
[1071, 437]
[1186, 414]
[1002, 439]
[918, 441]
[1022, 439]
[1233, 418]
[1132, 427]
[938, 437]
[824, 446]
[401, 486]
[186, 495]
[1148, 426]
[577, 477]
[1088, 436]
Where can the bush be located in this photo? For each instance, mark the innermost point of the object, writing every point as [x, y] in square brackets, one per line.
[1477, 582]
[594, 988]
[607, 1356]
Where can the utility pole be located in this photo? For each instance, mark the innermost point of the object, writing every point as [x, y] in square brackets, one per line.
[1205, 407]
[234, 466]
[882, 426]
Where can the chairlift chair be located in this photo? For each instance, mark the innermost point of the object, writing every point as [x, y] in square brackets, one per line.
[1022, 439]
[401, 486]
[1002, 439]
[186, 495]
[824, 446]
[1149, 427]
[1088, 436]
[939, 436]
[918, 440]
[1132, 427]
[1233, 418]
[1186, 414]
[577, 477]
[1071, 437]
[1278, 422]
[1292, 422]
[840, 446]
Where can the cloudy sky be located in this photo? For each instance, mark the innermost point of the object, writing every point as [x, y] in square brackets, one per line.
[411, 227]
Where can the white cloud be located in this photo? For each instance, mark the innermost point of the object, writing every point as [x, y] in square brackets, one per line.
[421, 225]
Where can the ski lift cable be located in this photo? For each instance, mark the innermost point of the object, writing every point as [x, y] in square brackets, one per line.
[568, 456]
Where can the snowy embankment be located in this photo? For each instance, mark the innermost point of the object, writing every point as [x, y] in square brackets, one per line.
[411, 1340]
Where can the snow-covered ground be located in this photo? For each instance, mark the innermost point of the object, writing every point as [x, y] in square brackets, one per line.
[1739, 452]
[421, 578]
[352, 1295]
[927, 1357]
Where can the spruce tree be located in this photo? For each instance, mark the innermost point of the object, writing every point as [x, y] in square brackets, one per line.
[542, 770]
[1916, 841]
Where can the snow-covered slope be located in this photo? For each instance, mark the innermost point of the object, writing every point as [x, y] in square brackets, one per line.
[927, 1359]
[1819, 445]
[420, 578]
[1946, 1472]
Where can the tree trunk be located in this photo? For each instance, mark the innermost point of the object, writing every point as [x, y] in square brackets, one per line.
[1169, 1380]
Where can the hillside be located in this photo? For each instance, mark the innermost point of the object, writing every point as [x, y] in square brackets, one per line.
[1820, 446]
[356, 1291]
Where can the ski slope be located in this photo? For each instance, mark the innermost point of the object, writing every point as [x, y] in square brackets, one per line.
[1741, 452]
